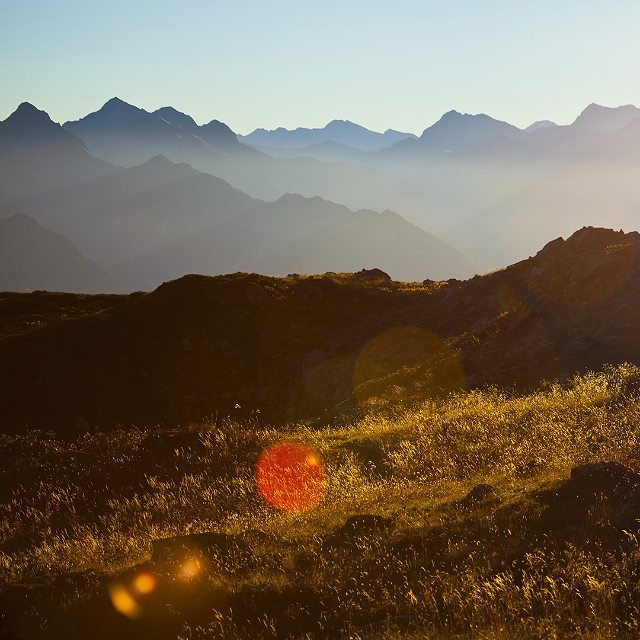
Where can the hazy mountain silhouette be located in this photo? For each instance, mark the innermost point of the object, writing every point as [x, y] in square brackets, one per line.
[32, 257]
[214, 133]
[37, 155]
[160, 208]
[599, 119]
[341, 132]
[304, 235]
[160, 220]
[481, 185]
[126, 135]
[136, 210]
[540, 124]
[455, 131]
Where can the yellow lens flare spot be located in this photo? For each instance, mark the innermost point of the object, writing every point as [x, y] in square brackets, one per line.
[123, 602]
[144, 583]
[190, 569]
[312, 460]
[391, 359]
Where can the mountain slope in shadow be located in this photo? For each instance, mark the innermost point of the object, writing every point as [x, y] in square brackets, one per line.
[320, 346]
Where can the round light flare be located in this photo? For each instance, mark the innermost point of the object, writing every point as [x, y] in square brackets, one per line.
[123, 602]
[190, 569]
[291, 477]
[144, 584]
[386, 360]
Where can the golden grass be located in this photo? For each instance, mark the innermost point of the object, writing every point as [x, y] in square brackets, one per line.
[440, 572]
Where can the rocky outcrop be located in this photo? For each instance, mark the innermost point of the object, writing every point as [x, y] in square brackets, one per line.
[600, 495]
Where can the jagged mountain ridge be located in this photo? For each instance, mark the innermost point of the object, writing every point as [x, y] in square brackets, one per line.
[343, 132]
[476, 198]
[181, 220]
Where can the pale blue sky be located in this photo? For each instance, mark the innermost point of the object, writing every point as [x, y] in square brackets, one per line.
[251, 63]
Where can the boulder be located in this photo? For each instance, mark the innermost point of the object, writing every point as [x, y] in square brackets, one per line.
[603, 495]
[480, 494]
[372, 275]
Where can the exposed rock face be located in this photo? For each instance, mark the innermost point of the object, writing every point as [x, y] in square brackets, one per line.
[372, 275]
[480, 494]
[601, 495]
[592, 265]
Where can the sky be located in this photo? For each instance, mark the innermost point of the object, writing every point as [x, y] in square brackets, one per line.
[266, 63]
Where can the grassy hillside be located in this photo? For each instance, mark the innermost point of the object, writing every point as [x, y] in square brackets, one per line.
[482, 529]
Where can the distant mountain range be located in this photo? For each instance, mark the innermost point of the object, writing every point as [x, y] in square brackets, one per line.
[127, 135]
[456, 131]
[159, 220]
[599, 119]
[491, 190]
[341, 132]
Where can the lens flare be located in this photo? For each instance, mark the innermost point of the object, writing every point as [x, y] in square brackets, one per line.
[291, 477]
[123, 602]
[144, 583]
[190, 569]
[384, 360]
[125, 599]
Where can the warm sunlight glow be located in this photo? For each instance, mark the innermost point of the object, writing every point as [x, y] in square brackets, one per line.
[384, 362]
[291, 477]
[144, 583]
[123, 602]
[190, 569]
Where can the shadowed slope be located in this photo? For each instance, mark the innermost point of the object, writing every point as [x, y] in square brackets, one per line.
[305, 347]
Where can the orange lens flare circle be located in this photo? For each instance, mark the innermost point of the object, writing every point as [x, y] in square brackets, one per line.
[144, 583]
[291, 477]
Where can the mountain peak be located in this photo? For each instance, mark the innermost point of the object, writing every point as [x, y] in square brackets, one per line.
[117, 103]
[341, 124]
[218, 133]
[113, 113]
[599, 119]
[21, 221]
[118, 107]
[457, 130]
[159, 160]
[161, 165]
[27, 107]
[29, 124]
[541, 124]
[27, 113]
